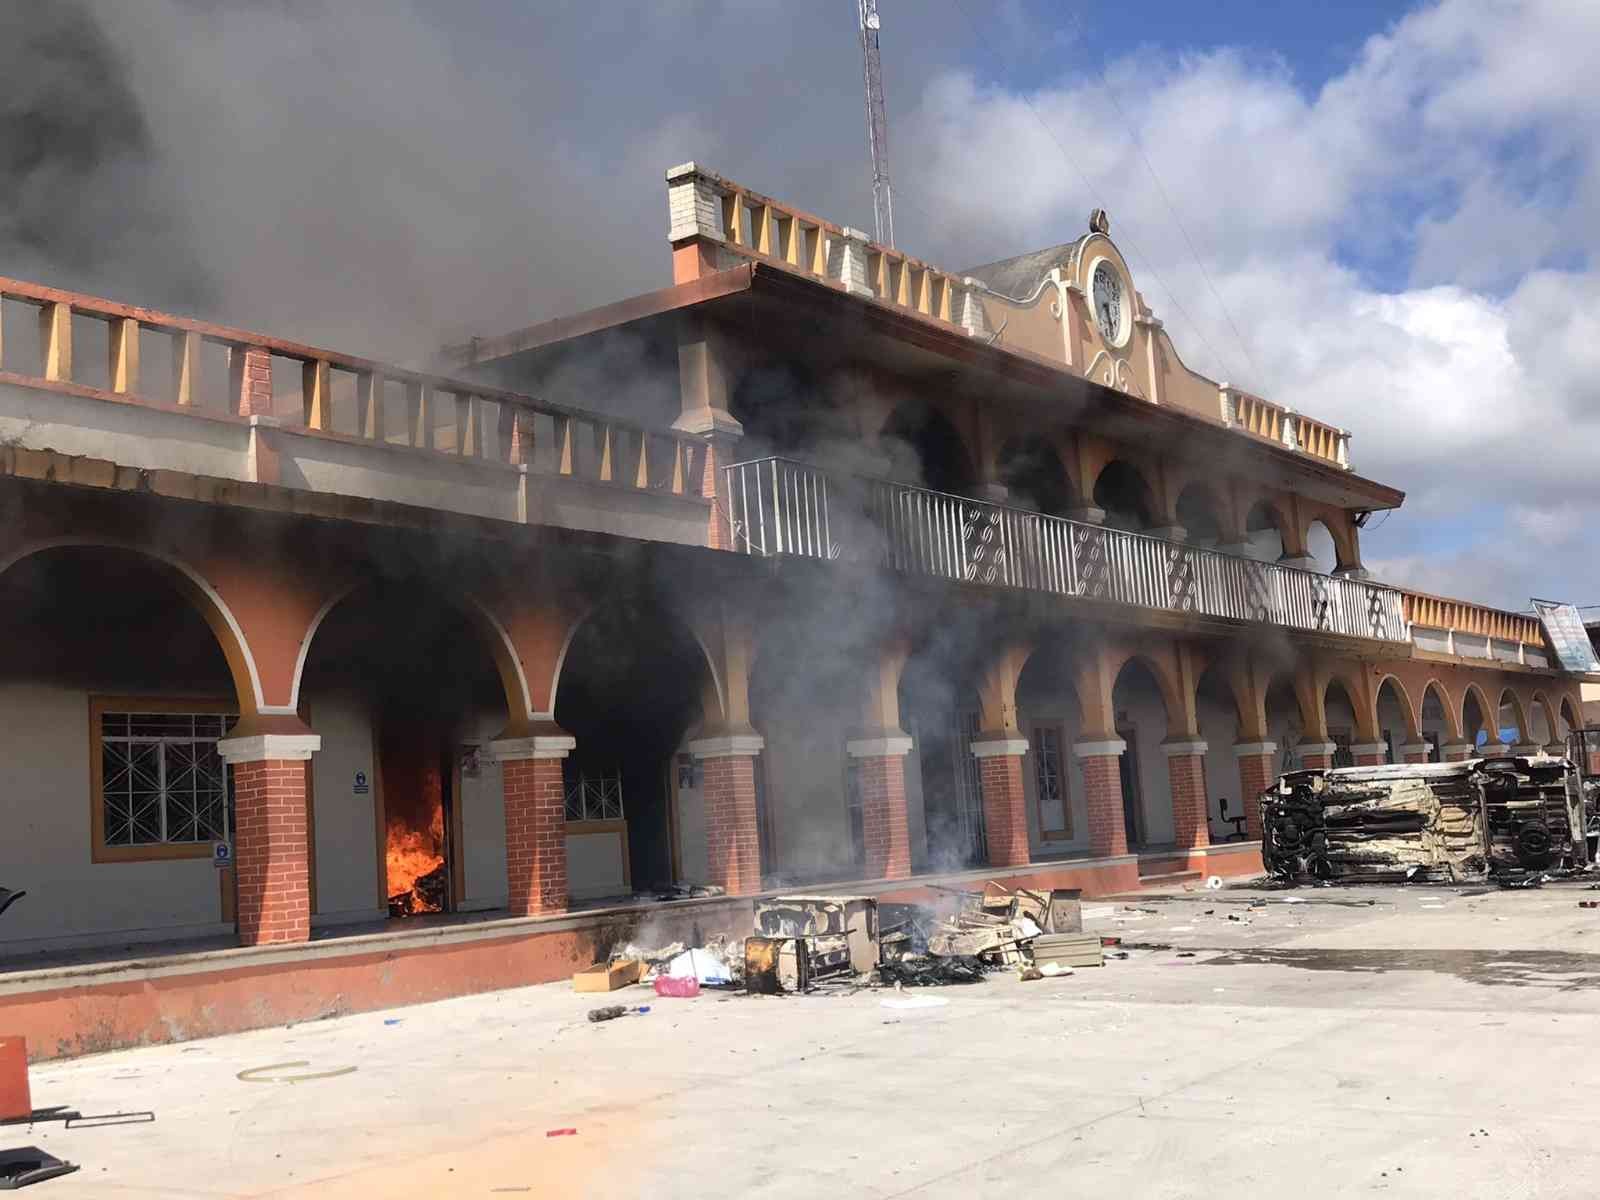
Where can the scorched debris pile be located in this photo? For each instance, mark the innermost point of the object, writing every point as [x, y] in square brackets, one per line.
[1444, 822]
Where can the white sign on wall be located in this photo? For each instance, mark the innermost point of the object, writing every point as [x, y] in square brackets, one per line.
[221, 855]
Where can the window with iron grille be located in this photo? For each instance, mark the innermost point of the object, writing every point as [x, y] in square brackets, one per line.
[161, 780]
[1050, 784]
[595, 797]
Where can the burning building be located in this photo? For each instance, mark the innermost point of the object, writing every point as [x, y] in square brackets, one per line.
[821, 563]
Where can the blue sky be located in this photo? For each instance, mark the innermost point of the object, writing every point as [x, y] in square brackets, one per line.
[1393, 204]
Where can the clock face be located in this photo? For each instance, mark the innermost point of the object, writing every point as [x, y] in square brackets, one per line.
[1109, 304]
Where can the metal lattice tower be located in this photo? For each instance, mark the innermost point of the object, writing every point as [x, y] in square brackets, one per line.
[877, 123]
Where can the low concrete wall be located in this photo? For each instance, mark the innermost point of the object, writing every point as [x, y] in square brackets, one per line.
[85, 1009]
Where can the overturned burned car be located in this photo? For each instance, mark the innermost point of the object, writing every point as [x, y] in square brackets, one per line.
[1443, 822]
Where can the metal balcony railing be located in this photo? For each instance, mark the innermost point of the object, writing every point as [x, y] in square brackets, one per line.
[777, 506]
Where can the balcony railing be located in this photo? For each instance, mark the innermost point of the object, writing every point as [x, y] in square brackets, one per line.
[781, 507]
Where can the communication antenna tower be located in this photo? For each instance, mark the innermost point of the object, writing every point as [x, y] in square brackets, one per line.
[877, 123]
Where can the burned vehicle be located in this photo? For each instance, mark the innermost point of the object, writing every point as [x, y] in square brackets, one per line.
[1441, 822]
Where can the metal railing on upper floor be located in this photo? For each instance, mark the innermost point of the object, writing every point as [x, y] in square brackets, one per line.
[226, 371]
[777, 506]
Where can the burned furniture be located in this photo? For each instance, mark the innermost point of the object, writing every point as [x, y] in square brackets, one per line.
[1442, 822]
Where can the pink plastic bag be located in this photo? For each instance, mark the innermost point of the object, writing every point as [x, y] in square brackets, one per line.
[673, 985]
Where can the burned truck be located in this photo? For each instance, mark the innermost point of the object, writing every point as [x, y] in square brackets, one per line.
[1439, 822]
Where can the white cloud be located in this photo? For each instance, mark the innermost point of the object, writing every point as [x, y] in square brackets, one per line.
[1387, 245]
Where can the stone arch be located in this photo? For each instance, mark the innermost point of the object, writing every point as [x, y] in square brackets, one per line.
[1448, 711]
[925, 447]
[194, 587]
[1172, 697]
[1539, 705]
[1569, 714]
[1518, 710]
[1361, 709]
[1264, 526]
[1473, 692]
[1034, 475]
[1200, 512]
[1408, 711]
[496, 639]
[1321, 550]
[1123, 493]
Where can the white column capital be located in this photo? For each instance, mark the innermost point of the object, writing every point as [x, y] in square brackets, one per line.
[1107, 747]
[269, 746]
[884, 746]
[1493, 750]
[1184, 746]
[1466, 748]
[1000, 747]
[1412, 749]
[1368, 749]
[539, 746]
[1245, 749]
[1527, 749]
[1328, 748]
[728, 745]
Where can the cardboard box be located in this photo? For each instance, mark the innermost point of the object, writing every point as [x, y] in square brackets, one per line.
[608, 977]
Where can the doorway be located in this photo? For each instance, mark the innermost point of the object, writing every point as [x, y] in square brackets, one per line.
[1132, 790]
[418, 766]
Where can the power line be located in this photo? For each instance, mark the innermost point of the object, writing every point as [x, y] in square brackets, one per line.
[1095, 194]
[1177, 220]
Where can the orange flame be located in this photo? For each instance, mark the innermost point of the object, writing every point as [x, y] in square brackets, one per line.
[410, 854]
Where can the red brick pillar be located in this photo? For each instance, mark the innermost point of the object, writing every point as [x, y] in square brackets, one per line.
[250, 380]
[1594, 764]
[1005, 805]
[536, 822]
[1370, 754]
[1186, 771]
[1458, 751]
[728, 787]
[271, 846]
[1315, 756]
[1415, 752]
[885, 825]
[1102, 792]
[1258, 771]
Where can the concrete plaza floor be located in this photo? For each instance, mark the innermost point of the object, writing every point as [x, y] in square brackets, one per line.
[1404, 1042]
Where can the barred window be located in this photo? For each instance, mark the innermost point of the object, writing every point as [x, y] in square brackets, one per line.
[161, 781]
[1050, 782]
[595, 797]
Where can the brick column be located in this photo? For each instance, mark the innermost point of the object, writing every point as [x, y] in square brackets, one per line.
[1102, 790]
[1594, 764]
[1005, 806]
[1186, 770]
[250, 380]
[271, 848]
[1415, 752]
[1370, 754]
[1316, 756]
[1458, 751]
[885, 826]
[536, 822]
[1258, 771]
[728, 786]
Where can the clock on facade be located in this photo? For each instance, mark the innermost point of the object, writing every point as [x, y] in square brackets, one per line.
[1109, 306]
